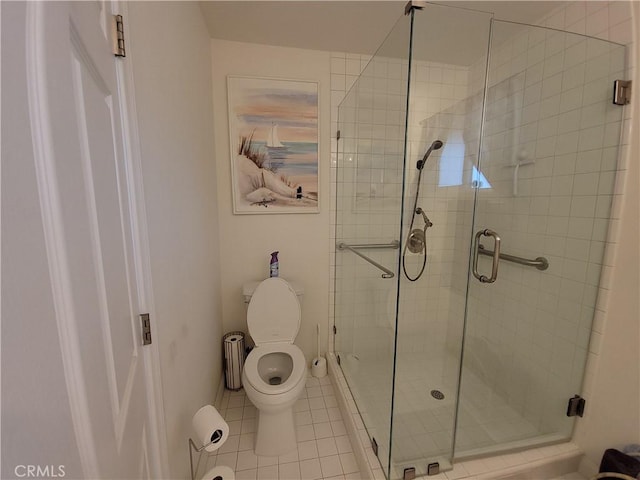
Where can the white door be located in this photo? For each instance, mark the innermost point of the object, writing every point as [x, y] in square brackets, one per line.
[89, 220]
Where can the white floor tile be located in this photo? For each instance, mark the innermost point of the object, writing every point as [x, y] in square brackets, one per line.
[305, 433]
[320, 415]
[246, 460]
[323, 451]
[246, 442]
[246, 475]
[343, 444]
[310, 469]
[330, 466]
[316, 403]
[327, 447]
[323, 430]
[307, 450]
[349, 463]
[227, 459]
[233, 414]
[267, 461]
[289, 457]
[267, 473]
[289, 471]
[303, 418]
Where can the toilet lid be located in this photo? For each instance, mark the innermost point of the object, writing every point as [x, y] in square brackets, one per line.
[274, 312]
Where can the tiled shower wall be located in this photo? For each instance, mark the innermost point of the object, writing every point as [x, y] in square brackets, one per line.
[370, 176]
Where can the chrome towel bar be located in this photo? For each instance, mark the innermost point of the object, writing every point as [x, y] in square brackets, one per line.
[393, 244]
[540, 263]
[352, 248]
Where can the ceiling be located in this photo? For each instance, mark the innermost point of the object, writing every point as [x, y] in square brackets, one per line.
[349, 26]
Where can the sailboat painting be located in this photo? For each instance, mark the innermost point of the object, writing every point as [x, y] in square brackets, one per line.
[273, 128]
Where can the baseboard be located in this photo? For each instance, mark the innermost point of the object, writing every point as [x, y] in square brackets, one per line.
[553, 467]
[218, 401]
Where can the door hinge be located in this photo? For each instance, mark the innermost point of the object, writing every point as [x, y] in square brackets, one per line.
[338, 135]
[414, 5]
[576, 406]
[374, 445]
[146, 328]
[622, 92]
[335, 330]
[117, 36]
[338, 359]
[433, 468]
[409, 473]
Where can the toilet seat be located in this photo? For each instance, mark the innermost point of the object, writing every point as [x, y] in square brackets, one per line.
[273, 315]
[298, 371]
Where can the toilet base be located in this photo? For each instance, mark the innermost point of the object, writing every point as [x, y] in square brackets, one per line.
[276, 434]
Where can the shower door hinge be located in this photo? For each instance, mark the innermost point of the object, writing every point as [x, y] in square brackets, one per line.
[622, 92]
[417, 4]
[576, 406]
[409, 473]
[117, 36]
[335, 330]
[338, 135]
[374, 445]
[338, 359]
[433, 468]
[146, 328]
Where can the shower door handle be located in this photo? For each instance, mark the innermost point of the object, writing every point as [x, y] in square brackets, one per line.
[496, 256]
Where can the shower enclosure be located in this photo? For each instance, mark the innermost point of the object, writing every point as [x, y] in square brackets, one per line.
[481, 351]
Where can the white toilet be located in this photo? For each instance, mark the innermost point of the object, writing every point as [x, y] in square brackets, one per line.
[275, 371]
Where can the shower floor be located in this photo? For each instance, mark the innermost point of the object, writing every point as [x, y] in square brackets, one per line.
[423, 425]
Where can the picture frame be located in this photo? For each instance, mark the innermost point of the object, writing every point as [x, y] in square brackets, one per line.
[274, 145]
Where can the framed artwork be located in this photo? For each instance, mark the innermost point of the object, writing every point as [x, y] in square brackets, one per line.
[273, 128]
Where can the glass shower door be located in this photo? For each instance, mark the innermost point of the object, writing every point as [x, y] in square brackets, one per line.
[371, 121]
[544, 187]
[446, 93]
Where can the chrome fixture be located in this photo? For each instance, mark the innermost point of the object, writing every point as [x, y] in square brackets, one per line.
[387, 273]
[437, 145]
[540, 263]
[392, 244]
[496, 256]
[426, 220]
[417, 238]
[622, 92]
[414, 4]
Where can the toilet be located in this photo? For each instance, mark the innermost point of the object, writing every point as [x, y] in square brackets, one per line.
[275, 371]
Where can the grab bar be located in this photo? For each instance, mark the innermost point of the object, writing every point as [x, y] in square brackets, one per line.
[393, 244]
[540, 263]
[387, 273]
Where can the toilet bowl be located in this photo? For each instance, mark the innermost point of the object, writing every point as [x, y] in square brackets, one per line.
[274, 373]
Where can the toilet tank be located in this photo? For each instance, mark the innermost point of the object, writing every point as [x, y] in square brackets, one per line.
[250, 287]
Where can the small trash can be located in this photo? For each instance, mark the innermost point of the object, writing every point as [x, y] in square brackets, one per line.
[234, 354]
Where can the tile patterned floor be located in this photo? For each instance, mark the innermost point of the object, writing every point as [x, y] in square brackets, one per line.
[324, 450]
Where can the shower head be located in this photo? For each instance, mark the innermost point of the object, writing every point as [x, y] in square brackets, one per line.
[427, 222]
[436, 145]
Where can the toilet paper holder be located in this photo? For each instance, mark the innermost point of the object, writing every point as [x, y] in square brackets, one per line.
[215, 438]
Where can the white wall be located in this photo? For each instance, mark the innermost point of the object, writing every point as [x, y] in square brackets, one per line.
[247, 240]
[169, 47]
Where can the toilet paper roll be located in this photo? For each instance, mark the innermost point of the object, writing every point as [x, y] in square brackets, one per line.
[210, 427]
[219, 473]
[319, 367]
